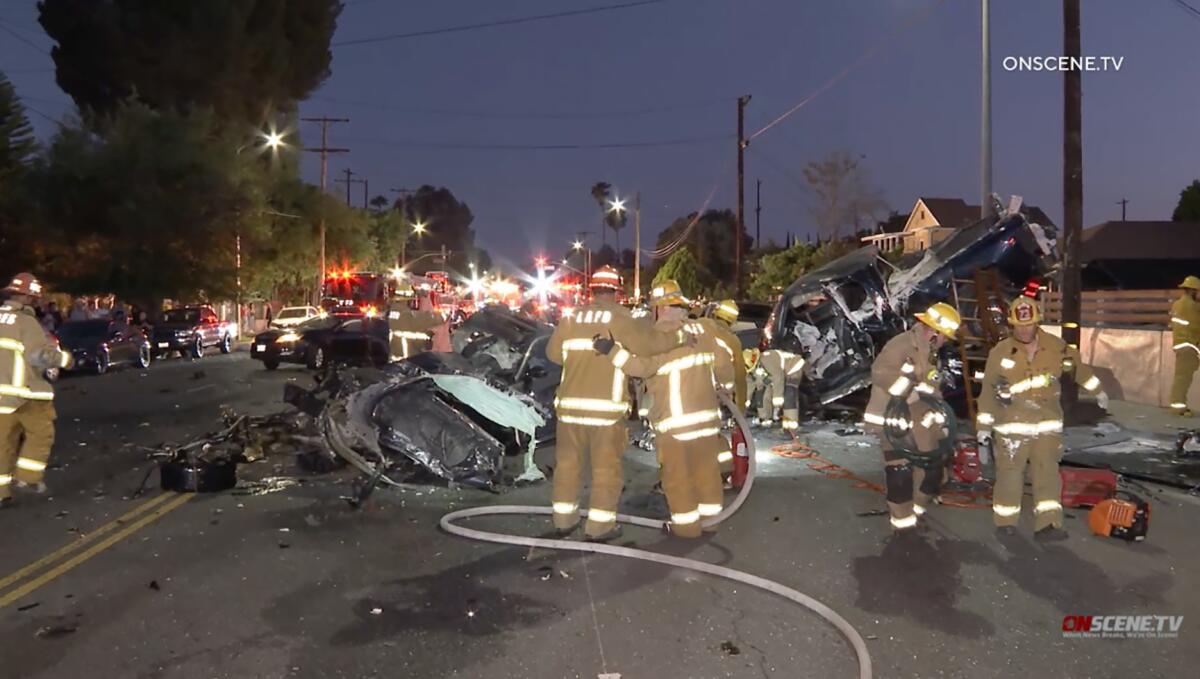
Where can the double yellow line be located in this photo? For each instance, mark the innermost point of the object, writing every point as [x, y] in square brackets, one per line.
[69, 556]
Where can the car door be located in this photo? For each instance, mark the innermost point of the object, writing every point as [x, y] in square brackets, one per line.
[348, 344]
[208, 327]
[118, 343]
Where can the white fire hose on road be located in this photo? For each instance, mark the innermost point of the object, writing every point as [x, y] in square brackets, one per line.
[448, 524]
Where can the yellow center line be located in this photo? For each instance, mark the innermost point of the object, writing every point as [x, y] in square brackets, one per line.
[85, 539]
[176, 501]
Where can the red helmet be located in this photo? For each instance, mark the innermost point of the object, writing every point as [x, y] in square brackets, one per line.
[605, 278]
[25, 284]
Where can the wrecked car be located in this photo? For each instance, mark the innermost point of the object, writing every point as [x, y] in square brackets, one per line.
[840, 315]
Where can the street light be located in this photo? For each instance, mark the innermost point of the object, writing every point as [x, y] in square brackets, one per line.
[616, 205]
[419, 228]
[273, 140]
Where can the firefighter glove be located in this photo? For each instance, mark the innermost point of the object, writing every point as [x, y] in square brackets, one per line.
[603, 345]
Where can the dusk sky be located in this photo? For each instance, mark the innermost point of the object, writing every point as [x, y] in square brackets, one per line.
[671, 72]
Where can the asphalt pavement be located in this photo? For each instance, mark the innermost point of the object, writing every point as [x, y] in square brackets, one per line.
[286, 580]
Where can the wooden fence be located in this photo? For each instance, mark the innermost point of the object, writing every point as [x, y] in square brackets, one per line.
[1106, 308]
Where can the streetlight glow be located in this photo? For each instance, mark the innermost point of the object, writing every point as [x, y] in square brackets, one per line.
[617, 205]
[273, 140]
[419, 228]
[577, 245]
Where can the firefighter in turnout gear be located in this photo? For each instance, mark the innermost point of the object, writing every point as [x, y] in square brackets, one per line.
[1020, 405]
[1185, 335]
[26, 398]
[685, 414]
[592, 405]
[756, 380]
[783, 370]
[720, 325]
[409, 332]
[906, 369]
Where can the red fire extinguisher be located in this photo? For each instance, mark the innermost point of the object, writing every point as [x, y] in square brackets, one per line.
[967, 467]
[741, 459]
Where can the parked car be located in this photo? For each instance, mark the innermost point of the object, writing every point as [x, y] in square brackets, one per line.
[97, 345]
[323, 340]
[190, 330]
[292, 316]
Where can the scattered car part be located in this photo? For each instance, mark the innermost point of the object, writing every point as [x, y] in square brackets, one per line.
[1083, 487]
[1125, 516]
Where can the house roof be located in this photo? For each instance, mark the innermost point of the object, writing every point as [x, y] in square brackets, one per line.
[1142, 240]
[952, 213]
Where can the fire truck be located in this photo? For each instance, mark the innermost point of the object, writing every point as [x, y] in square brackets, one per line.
[352, 293]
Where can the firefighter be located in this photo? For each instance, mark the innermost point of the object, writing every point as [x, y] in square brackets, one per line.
[783, 370]
[756, 380]
[1020, 404]
[720, 325]
[409, 332]
[592, 405]
[1185, 335]
[686, 414]
[26, 398]
[906, 369]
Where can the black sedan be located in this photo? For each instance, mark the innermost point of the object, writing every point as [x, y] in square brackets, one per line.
[320, 341]
[98, 345]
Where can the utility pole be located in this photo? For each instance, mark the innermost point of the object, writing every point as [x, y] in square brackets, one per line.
[366, 187]
[1072, 192]
[1123, 202]
[758, 213]
[637, 247]
[739, 227]
[985, 140]
[324, 150]
[348, 181]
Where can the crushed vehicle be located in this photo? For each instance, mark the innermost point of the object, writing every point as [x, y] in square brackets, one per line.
[840, 315]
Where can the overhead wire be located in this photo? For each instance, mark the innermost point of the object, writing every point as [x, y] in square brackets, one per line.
[500, 115]
[16, 34]
[486, 146]
[501, 22]
[862, 59]
[1188, 8]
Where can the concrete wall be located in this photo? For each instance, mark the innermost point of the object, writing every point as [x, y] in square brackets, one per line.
[1134, 365]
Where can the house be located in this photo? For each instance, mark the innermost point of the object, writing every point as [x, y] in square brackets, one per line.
[933, 220]
[1139, 255]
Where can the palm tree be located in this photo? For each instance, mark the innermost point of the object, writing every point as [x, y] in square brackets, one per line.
[600, 194]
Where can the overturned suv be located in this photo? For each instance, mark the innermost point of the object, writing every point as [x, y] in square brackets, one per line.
[840, 315]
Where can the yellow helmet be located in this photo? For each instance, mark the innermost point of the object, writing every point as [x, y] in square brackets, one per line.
[727, 310]
[1190, 283]
[667, 293]
[751, 356]
[1023, 311]
[941, 317]
[404, 290]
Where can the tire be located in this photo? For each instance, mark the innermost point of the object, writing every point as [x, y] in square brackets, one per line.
[270, 363]
[226, 344]
[143, 360]
[316, 359]
[102, 363]
[197, 350]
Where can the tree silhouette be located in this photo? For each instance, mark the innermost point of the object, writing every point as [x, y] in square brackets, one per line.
[600, 194]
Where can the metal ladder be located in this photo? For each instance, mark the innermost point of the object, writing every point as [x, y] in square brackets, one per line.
[981, 305]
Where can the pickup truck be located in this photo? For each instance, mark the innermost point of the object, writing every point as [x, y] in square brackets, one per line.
[190, 330]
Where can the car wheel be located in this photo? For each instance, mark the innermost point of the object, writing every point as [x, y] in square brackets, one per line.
[316, 358]
[144, 356]
[197, 350]
[101, 363]
[270, 363]
[226, 344]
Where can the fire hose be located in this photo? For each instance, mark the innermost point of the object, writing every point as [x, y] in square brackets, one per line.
[449, 524]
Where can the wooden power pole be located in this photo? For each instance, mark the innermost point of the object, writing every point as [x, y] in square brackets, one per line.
[324, 150]
[1072, 192]
[740, 226]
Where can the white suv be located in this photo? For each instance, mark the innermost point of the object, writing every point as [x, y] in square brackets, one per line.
[291, 316]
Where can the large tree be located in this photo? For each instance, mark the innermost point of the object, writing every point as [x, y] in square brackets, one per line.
[1188, 208]
[682, 268]
[17, 148]
[153, 209]
[711, 243]
[244, 59]
[447, 224]
[845, 201]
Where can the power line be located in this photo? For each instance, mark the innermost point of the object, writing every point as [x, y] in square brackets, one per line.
[1188, 8]
[13, 32]
[580, 115]
[502, 22]
[865, 57]
[472, 146]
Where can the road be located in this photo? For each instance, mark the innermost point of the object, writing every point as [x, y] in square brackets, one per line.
[296, 584]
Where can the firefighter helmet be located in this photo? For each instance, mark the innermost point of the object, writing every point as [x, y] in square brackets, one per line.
[25, 283]
[1024, 311]
[751, 357]
[941, 317]
[667, 293]
[404, 290]
[1190, 283]
[727, 310]
[605, 278]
